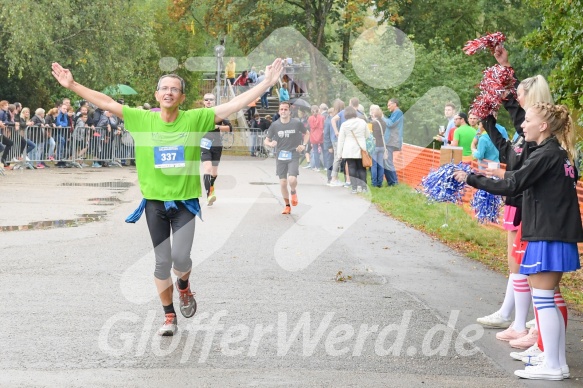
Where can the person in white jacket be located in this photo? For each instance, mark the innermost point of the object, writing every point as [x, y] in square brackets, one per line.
[351, 140]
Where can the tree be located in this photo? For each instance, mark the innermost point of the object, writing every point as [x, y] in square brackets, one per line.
[101, 41]
[561, 36]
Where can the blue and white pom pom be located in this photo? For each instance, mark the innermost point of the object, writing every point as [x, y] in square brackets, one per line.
[486, 206]
[440, 186]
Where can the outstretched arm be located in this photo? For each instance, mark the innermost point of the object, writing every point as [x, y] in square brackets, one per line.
[65, 78]
[510, 102]
[272, 73]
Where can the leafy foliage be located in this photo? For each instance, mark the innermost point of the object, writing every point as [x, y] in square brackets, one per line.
[561, 35]
[101, 41]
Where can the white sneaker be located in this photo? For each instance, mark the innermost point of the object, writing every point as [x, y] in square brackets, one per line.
[531, 324]
[566, 372]
[540, 372]
[533, 351]
[534, 360]
[540, 359]
[495, 320]
[336, 184]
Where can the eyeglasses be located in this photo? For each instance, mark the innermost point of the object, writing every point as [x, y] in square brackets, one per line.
[209, 99]
[165, 89]
[457, 118]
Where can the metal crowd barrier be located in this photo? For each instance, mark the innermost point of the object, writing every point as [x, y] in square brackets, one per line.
[35, 146]
[256, 144]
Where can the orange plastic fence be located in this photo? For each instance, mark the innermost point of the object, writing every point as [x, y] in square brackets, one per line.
[413, 163]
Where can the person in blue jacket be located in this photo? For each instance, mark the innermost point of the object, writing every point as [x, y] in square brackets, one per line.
[393, 139]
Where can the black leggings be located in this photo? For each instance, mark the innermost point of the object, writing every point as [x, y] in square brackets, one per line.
[357, 173]
[177, 253]
[8, 145]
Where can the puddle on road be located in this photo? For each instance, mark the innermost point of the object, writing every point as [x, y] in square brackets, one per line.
[109, 201]
[114, 186]
[43, 225]
[110, 185]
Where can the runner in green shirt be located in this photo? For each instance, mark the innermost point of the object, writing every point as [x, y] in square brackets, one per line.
[168, 159]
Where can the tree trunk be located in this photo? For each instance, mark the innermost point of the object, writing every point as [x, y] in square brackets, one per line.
[346, 41]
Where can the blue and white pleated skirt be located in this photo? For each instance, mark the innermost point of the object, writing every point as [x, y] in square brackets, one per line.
[550, 256]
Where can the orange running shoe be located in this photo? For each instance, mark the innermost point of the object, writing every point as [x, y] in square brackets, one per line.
[294, 199]
[286, 210]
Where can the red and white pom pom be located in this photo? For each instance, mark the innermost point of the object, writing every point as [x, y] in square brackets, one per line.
[489, 42]
[497, 82]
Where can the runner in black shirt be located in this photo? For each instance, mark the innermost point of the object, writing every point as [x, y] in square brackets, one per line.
[211, 148]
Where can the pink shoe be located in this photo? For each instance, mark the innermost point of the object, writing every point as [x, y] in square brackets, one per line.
[511, 334]
[527, 341]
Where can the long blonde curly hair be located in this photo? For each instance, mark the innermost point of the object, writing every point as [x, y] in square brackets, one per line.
[560, 125]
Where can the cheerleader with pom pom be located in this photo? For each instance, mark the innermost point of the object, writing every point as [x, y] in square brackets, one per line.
[514, 153]
[551, 222]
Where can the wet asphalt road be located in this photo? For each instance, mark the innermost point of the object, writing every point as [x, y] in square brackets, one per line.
[337, 294]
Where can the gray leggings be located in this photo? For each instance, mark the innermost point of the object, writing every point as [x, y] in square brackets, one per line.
[160, 223]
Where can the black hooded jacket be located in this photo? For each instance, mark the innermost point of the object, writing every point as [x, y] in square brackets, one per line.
[548, 181]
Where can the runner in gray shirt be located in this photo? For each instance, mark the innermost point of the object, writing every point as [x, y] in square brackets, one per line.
[289, 137]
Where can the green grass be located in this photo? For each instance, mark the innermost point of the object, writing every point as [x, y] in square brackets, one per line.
[486, 244]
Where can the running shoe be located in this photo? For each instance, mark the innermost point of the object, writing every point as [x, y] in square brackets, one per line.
[294, 199]
[169, 327]
[212, 197]
[495, 320]
[531, 324]
[187, 302]
[286, 210]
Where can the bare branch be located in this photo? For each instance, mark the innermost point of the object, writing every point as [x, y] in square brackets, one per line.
[73, 35]
[297, 4]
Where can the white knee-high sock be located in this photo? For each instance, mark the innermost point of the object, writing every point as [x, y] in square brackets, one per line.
[562, 339]
[522, 300]
[508, 304]
[549, 325]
